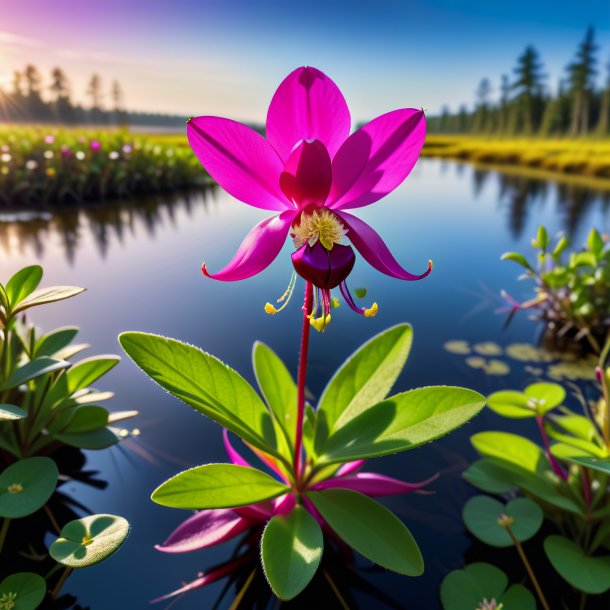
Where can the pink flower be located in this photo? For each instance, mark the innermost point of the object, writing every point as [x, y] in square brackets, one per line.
[49, 139]
[95, 145]
[311, 171]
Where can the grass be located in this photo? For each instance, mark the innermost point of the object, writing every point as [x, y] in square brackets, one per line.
[49, 166]
[584, 157]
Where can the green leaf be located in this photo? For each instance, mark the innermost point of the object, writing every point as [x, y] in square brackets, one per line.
[513, 450]
[11, 412]
[25, 486]
[88, 371]
[47, 295]
[403, 422]
[481, 516]
[547, 395]
[277, 386]
[595, 243]
[364, 379]
[25, 589]
[509, 403]
[542, 238]
[291, 549]
[562, 244]
[90, 540]
[22, 284]
[360, 292]
[588, 574]
[56, 340]
[488, 476]
[601, 465]
[218, 486]
[370, 528]
[517, 258]
[204, 383]
[92, 439]
[33, 369]
[466, 589]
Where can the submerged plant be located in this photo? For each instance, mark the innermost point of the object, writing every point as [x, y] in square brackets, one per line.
[566, 476]
[572, 288]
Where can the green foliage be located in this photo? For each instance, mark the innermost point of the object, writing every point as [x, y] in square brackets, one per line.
[85, 542]
[467, 589]
[291, 549]
[535, 401]
[370, 528]
[218, 486]
[24, 590]
[489, 520]
[571, 288]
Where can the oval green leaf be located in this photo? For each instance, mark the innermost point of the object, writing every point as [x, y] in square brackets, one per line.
[56, 340]
[25, 486]
[218, 486]
[547, 395]
[588, 574]
[47, 295]
[291, 549]
[204, 383]
[488, 476]
[402, 422]
[24, 589]
[33, 369]
[370, 528]
[482, 514]
[508, 403]
[11, 412]
[85, 542]
[22, 284]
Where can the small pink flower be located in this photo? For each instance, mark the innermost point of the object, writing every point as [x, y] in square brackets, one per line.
[66, 152]
[95, 145]
[311, 171]
[49, 139]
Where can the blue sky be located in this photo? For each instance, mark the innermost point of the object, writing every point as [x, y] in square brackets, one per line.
[227, 57]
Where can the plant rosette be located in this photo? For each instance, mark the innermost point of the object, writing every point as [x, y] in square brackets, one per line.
[353, 421]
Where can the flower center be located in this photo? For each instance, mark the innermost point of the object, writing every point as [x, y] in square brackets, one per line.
[7, 601]
[318, 225]
[491, 604]
[87, 540]
[15, 488]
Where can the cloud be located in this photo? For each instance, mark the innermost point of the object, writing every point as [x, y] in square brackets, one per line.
[20, 41]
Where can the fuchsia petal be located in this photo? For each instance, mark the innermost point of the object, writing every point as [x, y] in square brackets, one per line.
[212, 576]
[284, 504]
[258, 250]
[374, 160]
[349, 467]
[242, 162]
[307, 105]
[256, 512]
[204, 529]
[372, 484]
[234, 456]
[307, 175]
[373, 249]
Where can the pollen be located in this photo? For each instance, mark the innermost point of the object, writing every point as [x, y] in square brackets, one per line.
[320, 225]
[15, 488]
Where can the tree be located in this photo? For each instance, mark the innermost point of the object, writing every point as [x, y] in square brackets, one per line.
[528, 88]
[482, 115]
[581, 82]
[118, 103]
[505, 89]
[603, 121]
[94, 91]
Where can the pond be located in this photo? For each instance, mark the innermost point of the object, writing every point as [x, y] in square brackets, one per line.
[141, 265]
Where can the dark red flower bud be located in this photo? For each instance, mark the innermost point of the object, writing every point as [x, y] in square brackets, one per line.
[324, 268]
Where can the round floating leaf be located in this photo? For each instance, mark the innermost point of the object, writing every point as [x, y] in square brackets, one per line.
[370, 528]
[25, 486]
[482, 513]
[291, 549]
[488, 476]
[10, 412]
[218, 486]
[518, 598]
[457, 347]
[24, 589]
[588, 574]
[85, 542]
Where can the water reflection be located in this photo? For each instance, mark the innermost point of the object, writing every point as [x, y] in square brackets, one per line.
[31, 233]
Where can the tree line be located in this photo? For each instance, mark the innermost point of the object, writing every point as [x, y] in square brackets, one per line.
[32, 100]
[526, 105]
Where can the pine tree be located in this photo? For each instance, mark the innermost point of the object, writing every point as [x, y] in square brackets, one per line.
[603, 121]
[481, 115]
[581, 77]
[528, 88]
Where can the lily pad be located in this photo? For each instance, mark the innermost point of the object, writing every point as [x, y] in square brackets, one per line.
[585, 573]
[458, 347]
[466, 589]
[90, 540]
[11, 412]
[25, 486]
[483, 515]
[22, 591]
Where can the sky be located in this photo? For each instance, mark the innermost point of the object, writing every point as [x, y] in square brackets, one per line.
[226, 57]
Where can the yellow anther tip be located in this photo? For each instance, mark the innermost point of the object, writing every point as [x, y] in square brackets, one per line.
[270, 309]
[371, 312]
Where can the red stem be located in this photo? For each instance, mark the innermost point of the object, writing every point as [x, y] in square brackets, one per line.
[298, 439]
[557, 469]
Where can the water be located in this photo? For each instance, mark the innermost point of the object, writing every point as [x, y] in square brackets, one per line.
[141, 265]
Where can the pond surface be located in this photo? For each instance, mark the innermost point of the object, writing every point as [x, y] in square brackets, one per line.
[141, 265]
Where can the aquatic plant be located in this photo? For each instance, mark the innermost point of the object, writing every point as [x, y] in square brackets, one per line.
[309, 171]
[46, 167]
[46, 402]
[563, 481]
[572, 288]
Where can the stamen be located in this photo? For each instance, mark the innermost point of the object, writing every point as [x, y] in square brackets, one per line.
[322, 305]
[369, 313]
[271, 309]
